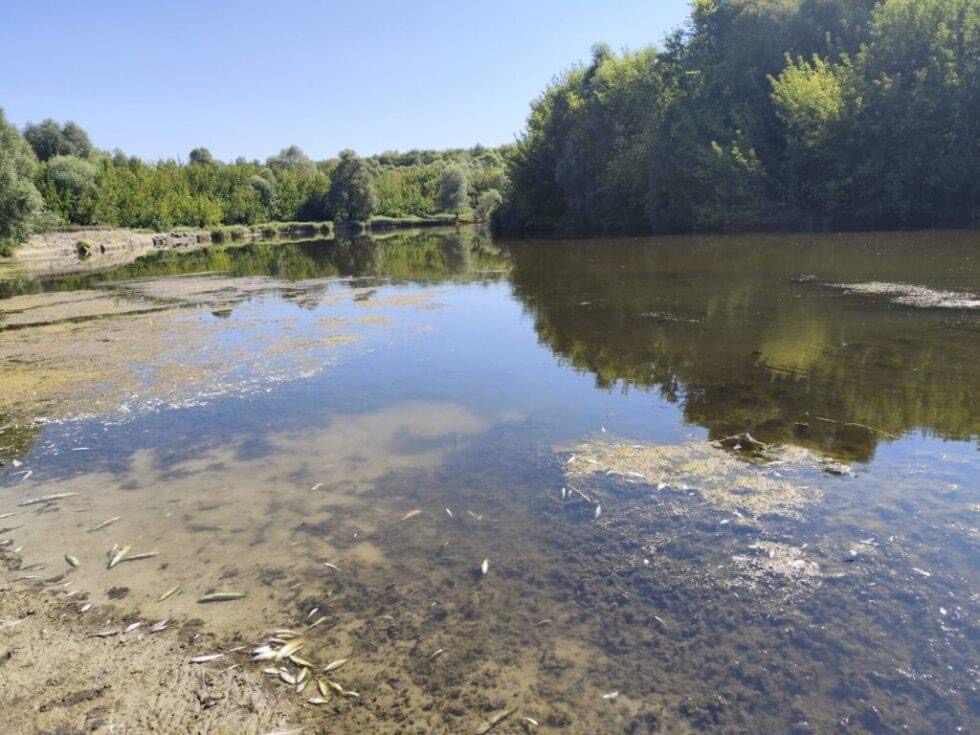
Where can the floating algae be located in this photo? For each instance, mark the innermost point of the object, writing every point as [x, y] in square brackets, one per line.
[725, 482]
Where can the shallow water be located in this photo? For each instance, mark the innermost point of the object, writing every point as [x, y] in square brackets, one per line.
[252, 413]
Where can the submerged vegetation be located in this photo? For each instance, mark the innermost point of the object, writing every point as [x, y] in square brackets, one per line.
[52, 175]
[764, 114]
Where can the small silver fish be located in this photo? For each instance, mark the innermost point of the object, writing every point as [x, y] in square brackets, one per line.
[317, 700]
[290, 648]
[411, 514]
[160, 626]
[598, 511]
[449, 512]
[72, 561]
[120, 555]
[493, 721]
[172, 591]
[47, 499]
[144, 555]
[222, 597]
[105, 524]
[485, 566]
[334, 665]
[132, 626]
[207, 657]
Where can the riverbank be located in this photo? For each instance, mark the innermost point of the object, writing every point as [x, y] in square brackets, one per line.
[91, 249]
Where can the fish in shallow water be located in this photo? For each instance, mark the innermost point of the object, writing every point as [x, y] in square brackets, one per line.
[72, 560]
[493, 721]
[411, 514]
[172, 591]
[485, 567]
[47, 499]
[222, 597]
[120, 555]
[106, 524]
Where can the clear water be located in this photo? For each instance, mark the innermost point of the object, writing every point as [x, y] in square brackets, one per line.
[441, 370]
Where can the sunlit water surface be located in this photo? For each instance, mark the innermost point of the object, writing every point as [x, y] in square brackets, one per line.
[253, 413]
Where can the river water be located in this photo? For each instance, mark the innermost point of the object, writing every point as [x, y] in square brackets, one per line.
[516, 474]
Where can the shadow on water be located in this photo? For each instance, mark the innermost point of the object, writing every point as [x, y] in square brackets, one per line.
[748, 333]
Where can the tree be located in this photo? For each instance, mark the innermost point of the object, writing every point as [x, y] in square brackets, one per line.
[289, 158]
[201, 156]
[48, 139]
[454, 190]
[20, 202]
[487, 204]
[351, 197]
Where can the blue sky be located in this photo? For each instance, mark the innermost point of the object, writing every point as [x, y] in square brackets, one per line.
[248, 78]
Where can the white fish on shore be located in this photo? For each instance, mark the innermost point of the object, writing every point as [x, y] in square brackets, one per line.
[485, 566]
[598, 511]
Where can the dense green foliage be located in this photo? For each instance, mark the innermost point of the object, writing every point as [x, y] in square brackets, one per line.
[760, 114]
[53, 175]
[20, 202]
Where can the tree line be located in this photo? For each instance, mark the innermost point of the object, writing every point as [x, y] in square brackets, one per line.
[51, 174]
[763, 114]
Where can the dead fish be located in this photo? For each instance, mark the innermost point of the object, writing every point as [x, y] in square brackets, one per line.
[301, 662]
[27, 475]
[436, 653]
[86, 607]
[8, 515]
[286, 677]
[598, 511]
[160, 626]
[301, 685]
[584, 497]
[290, 648]
[222, 597]
[263, 653]
[411, 514]
[317, 486]
[120, 555]
[72, 561]
[530, 721]
[350, 694]
[312, 612]
[333, 685]
[546, 621]
[477, 517]
[319, 621]
[493, 721]
[334, 665]
[328, 565]
[207, 657]
[612, 696]
[47, 499]
[106, 633]
[449, 512]
[923, 572]
[105, 524]
[485, 567]
[317, 700]
[322, 687]
[564, 493]
[144, 555]
[169, 593]
[132, 626]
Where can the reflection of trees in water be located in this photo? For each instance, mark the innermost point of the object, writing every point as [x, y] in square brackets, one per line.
[720, 325]
[422, 255]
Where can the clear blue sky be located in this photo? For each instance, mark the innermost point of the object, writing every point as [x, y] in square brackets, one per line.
[248, 78]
